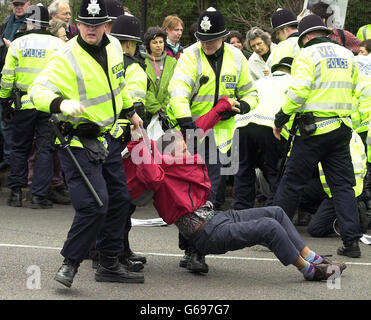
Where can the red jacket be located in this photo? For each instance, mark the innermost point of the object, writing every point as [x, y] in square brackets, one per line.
[181, 185]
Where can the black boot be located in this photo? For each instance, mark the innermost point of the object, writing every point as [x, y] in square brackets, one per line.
[136, 257]
[197, 263]
[15, 198]
[133, 266]
[67, 272]
[351, 250]
[187, 256]
[38, 202]
[111, 270]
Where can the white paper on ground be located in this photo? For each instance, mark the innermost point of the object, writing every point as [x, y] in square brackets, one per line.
[366, 239]
[148, 222]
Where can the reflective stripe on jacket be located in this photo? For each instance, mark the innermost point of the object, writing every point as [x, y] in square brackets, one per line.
[26, 58]
[73, 73]
[324, 81]
[234, 82]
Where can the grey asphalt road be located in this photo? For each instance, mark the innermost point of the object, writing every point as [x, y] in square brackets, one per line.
[30, 243]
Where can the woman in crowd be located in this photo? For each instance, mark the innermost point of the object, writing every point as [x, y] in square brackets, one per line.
[160, 68]
[260, 61]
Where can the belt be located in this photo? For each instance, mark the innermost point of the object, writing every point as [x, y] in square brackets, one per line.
[316, 119]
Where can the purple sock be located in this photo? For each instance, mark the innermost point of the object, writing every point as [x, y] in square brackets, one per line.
[314, 258]
[308, 271]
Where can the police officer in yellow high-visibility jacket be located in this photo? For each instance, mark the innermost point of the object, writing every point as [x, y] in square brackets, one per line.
[205, 72]
[324, 80]
[285, 28]
[26, 57]
[83, 83]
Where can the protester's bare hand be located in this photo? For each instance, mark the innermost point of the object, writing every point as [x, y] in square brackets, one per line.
[233, 102]
[7, 42]
[266, 72]
[277, 132]
[235, 109]
[301, 15]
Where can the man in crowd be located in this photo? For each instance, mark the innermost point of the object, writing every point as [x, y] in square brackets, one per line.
[60, 9]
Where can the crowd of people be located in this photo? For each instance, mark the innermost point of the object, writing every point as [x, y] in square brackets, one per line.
[292, 104]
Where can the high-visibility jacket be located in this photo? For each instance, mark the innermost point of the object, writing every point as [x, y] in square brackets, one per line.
[324, 81]
[271, 93]
[359, 159]
[188, 99]
[73, 73]
[285, 48]
[136, 80]
[364, 32]
[27, 56]
[361, 115]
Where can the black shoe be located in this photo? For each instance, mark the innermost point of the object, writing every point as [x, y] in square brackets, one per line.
[4, 166]
[136, 258]
[111, 270]
[15, 198]
[197, 263]
[94, 264]
[352, 250]
[341, 265]
[133, 266]
[67, 272]
[38, 202]
[183, 262]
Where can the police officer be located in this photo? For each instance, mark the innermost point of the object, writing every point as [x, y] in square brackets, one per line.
[325, 75]
[256, 141]
[83, 84]
[27, 56]
[206, 71]
[285, 28]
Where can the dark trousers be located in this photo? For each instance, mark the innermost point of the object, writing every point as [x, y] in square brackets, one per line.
[27, 125]
[321, 223]
[256, 142]
[332, 150]
[237, 229]
[104, 224]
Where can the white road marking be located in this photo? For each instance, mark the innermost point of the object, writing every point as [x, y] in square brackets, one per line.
[10, 245]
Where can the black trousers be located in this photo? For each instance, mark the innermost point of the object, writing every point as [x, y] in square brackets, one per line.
[105, 224]
[30, 124]
[256, 144]
[332, 150]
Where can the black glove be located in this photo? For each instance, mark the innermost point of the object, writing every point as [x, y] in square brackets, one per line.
[281, 118]
[244, 108]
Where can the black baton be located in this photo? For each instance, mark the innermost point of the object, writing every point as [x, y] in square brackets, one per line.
[54, 122]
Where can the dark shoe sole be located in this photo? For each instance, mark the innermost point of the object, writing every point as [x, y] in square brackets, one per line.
[37, 206]
[63, 281]
[13, 204]
[108, 278]
[350, 254]
[197, 269]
